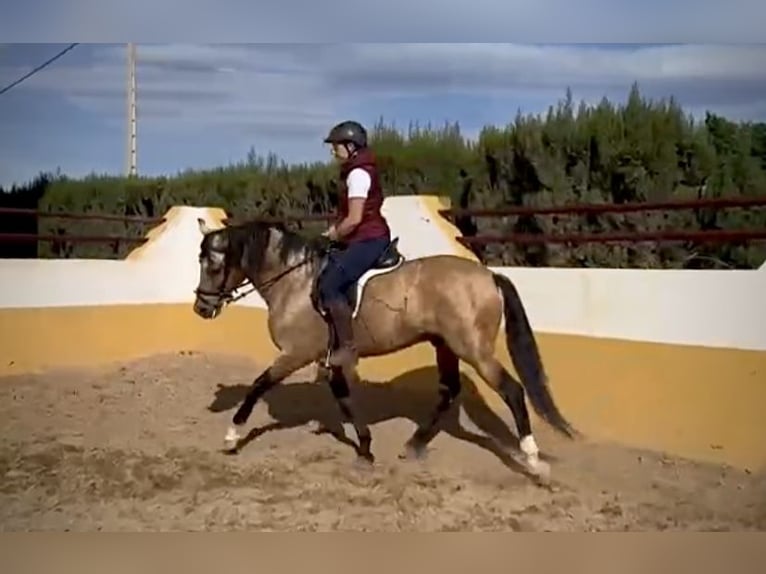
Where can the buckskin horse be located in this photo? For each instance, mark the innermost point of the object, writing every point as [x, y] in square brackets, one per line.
[455, 304]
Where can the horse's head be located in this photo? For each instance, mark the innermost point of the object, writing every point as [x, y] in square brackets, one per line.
[221, 270]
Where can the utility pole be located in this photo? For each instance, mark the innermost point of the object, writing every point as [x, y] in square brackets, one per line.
[130, 167]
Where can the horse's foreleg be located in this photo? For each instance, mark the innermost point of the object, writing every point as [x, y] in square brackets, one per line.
[282, 367]
[341, 392]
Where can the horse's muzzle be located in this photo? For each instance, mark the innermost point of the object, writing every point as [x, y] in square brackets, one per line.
[206, 308]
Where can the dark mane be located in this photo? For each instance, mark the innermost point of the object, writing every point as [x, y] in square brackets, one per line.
[254, 236]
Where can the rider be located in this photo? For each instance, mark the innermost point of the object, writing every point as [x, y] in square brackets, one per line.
[360, 228]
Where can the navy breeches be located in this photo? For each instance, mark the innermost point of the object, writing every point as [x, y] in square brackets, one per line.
[347, 266]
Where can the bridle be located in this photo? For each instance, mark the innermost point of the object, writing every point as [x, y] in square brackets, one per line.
[223, 297]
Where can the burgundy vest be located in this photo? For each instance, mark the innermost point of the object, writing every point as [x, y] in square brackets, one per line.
[373, 224]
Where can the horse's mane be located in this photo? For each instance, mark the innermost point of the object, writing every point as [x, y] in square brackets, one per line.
[254, 235]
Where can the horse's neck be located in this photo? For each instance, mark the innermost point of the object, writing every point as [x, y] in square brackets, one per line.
[283, 280]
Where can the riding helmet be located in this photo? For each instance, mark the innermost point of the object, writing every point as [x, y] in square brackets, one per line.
[348, 131]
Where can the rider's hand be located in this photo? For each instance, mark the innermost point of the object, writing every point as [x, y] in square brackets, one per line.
[331, 234]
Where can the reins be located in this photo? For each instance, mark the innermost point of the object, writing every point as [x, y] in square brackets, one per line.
[225, 295]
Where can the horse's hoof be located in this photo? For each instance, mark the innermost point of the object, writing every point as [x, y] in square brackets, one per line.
[413, 452]
[364, 462]
[231, 440]
[541, 471]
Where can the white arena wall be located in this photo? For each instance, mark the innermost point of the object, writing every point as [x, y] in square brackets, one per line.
[672, 360]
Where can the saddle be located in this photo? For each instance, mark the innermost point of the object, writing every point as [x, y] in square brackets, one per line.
[388, 261]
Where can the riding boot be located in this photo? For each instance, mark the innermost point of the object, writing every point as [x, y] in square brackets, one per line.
[345, 354]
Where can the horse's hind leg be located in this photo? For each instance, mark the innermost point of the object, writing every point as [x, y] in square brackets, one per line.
[449, 389]
[477, 350]
[340, 390]
[512, 392]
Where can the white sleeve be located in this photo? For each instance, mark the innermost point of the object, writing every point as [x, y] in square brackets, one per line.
[358, 183]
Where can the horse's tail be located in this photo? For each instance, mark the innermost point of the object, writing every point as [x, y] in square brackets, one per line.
[525, 356]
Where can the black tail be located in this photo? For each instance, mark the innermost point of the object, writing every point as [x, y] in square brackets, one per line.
[525, 356]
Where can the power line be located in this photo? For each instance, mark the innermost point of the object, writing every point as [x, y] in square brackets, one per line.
[38, 68]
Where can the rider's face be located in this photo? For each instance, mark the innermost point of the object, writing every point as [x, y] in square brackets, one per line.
[339, 152]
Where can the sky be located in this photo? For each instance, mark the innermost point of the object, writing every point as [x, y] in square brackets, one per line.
[205, 105]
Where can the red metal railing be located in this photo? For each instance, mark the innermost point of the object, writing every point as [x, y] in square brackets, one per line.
[707, 236]
[81, 216]
[283, 218]
[71, 239]
[518, 238]
[598, 208]
[32, 237]
[23, 237]
[712, 236]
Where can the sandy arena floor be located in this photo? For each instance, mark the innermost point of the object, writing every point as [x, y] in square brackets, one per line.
[138, 447]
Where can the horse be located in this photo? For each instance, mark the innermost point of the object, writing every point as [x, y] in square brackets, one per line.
[455, 304]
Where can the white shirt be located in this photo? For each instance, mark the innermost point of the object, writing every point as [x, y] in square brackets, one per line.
[358, 182]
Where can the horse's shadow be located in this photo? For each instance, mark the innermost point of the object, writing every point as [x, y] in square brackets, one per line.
[412, 395]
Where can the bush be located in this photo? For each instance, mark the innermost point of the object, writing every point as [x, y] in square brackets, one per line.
[641, 150]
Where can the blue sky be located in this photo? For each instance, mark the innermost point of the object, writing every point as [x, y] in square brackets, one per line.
[206, 105]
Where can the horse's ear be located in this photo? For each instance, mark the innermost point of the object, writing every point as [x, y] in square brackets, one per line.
[203, 227]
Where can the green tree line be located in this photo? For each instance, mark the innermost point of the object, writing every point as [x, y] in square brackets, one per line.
[638, 150]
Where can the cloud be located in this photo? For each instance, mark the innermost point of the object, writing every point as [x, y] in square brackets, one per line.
[206, 104]
[193, 88]
[503, 68]
[301, 88]
[391, 21]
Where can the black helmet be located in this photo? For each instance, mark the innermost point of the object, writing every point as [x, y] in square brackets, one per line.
[348, 131]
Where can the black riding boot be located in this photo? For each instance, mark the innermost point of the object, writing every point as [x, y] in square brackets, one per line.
[345, 354]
